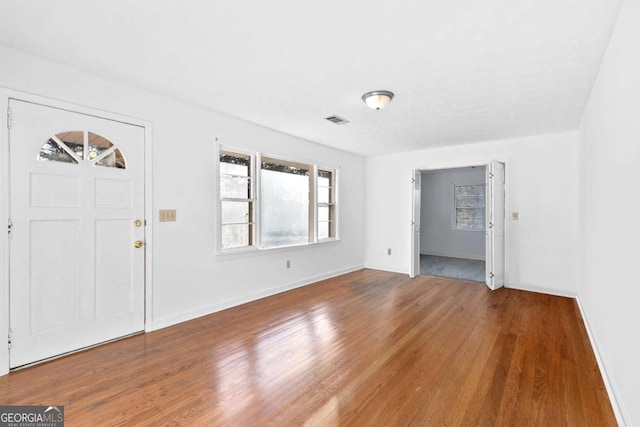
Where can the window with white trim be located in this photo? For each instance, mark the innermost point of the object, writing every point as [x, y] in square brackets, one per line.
[285, 203]
[237, 200]
[469, 207]
[326, 204]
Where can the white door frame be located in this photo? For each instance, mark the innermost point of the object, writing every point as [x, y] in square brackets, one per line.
[5, 95]
[414, 250]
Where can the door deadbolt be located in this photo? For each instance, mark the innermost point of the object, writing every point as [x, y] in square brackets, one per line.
[137, 222]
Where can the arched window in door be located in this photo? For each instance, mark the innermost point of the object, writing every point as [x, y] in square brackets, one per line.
[76, 146]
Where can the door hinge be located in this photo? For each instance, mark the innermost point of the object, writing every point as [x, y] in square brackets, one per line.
[9, 118]
[491, 275]
[490, 175]
[9, 227]
[413, 180]
[9, 338]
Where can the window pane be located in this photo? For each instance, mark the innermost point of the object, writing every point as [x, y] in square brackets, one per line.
[234, 164]
[52, 152]
[465, 223]
[324, 186]
[236, 235]
[236, 187]
[285, 205]
[469, 190]
[236, 212]
[478, 223]
[97, 145]
[470, 213]
[323, 213]
[74, 140]
[112, 160]
[324, 195]
[469, 201]
[323, 230]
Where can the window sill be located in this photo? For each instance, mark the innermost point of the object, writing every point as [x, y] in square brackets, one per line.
[249, 252]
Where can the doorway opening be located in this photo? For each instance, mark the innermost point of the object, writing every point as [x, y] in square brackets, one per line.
[458, 223]
[452, 218]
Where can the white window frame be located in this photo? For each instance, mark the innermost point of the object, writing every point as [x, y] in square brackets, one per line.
[454, 210]
[333, 203]
[256, 169]
[254, 183]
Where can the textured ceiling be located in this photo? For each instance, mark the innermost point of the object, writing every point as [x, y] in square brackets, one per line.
[462, 70]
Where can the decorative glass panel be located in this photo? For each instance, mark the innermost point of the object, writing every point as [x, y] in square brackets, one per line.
[97, 145]
[74, 140]
[53, 152]
[112, 160]
[59, 148]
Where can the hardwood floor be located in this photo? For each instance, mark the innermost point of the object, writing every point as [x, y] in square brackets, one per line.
[366, 348]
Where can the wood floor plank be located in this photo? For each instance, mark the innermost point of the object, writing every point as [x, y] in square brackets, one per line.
[366, 348]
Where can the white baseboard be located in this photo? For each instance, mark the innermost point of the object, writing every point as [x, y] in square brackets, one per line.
[213, 308]
[450, 255]
[390, 270]
[541, 290]
[621, 416]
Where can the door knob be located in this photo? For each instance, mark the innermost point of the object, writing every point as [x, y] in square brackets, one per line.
[137, 222]
[138, 243]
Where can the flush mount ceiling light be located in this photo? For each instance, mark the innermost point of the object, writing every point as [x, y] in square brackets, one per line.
[377, 99]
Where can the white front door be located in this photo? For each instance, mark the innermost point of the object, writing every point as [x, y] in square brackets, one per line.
[77, 209]
[495, 218]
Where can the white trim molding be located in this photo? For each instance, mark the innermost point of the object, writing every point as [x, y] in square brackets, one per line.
[621, 416]
[233, 302]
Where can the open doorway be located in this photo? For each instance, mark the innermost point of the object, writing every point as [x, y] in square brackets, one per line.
[458, 223]
[452, 218]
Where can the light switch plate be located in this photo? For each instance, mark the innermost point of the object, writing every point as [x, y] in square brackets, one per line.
[167, 215]
[514, 215]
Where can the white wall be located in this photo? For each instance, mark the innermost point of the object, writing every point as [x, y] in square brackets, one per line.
[542, 185]
[188, 280]
[609, 285]
[437, 233]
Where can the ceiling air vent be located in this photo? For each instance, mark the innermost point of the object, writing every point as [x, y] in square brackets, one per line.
[337, 120]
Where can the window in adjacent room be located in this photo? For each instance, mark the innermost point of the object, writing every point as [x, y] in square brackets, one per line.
[469, 207]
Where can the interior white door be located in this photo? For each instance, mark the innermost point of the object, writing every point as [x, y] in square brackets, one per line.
[77, 189]
[415, 224]
[495, 217]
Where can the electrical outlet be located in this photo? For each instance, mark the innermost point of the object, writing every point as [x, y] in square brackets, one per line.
[167, 215]
[388, 251]
[514, 215]
[288, 263]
